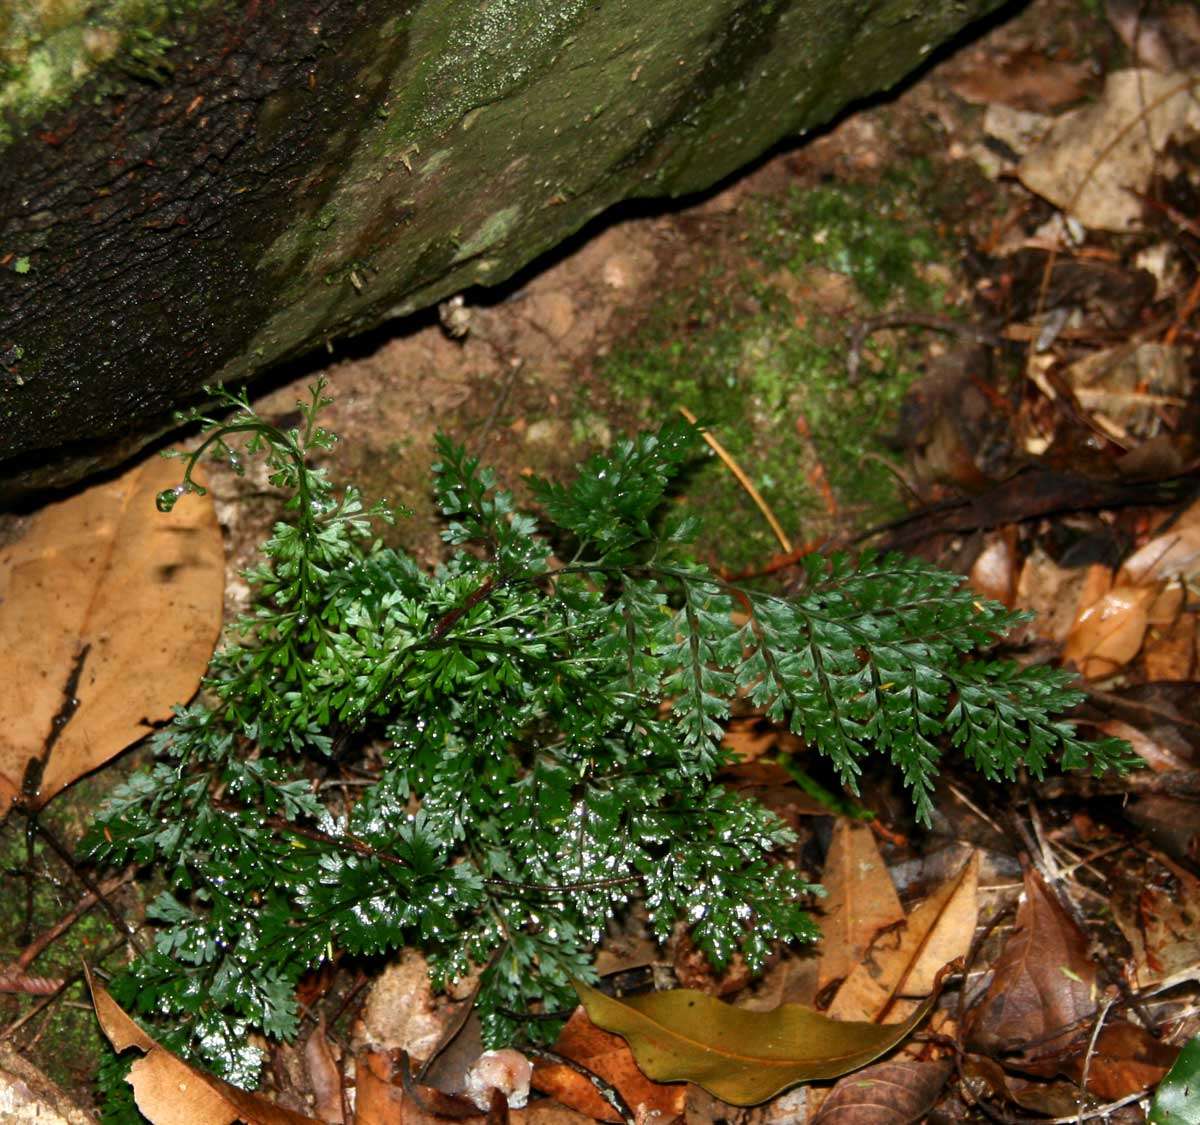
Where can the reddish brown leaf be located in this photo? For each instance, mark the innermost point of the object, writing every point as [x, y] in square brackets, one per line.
[1126, 1060]
[1170, 652]
[609, 1057]
[994, 572]
[1043, 988]
[888, 1093]
[1108, 634]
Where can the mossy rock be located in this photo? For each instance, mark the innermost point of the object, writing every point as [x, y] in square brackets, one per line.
[199, 190]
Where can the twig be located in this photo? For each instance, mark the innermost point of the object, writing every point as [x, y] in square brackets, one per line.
[1091, 1050]
[865, 328]
[742, 479]
[36, 947]
[61, 850]
[11, 1030]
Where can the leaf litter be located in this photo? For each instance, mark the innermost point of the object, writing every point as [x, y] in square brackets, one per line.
[1054, 463]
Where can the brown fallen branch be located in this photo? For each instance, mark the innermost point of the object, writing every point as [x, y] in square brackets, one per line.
[1030, 494]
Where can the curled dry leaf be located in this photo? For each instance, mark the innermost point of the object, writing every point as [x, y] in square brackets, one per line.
[109, 611]
[1043, 990]
[742, 1057]
[888, 1093]
[170, 1092]
[906, 962]
[324, 1074]
[860, 900]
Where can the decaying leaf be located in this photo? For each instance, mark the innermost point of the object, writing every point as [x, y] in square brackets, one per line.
[1162, 931]
[742, 1057]
[1023, 79]
[109, 611]
[1125, 1059]
[609, 1057]
[170, 1092]
[906, 962]
[324, 1075]
[1096, 160]
[860, 900]
[1044, 987]
[888, 1093]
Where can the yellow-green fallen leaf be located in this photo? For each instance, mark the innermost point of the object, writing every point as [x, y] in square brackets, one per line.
[740, 1056]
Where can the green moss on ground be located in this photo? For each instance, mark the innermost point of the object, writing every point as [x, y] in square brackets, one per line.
[64, 1039]
[759, 355]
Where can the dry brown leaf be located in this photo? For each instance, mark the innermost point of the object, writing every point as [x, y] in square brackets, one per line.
[1044, 986]
[905, 963]
[1023, 79]
[1096, 161]
[608, 1056]
[860, 900]
[1108, 634]
[1126, 1059]
[888, 1093]
[1173, 554]
[1053, 593]
[170, 1092]
[324, 1075]
[994, 573]
[1162, 932]
[1170, 652]
[109, 597]
[377, 1101]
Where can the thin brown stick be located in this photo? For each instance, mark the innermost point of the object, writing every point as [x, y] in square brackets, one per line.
[607, 1091]
[36, 947]
[742, 479]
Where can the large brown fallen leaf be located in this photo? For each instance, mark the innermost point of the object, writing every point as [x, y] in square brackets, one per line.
[1043, 989]
[860, 900]
[905, 963]
[740, 1056]
[108, 602]
[608, 1056]
[888, 1093]
[170, 1092]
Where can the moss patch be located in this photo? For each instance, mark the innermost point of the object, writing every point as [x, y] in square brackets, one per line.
[63, 1039]
[758, 353]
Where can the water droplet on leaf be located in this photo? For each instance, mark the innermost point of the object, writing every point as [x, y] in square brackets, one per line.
[165, 500]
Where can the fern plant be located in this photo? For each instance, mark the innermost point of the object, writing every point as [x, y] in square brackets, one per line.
[492, 760]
